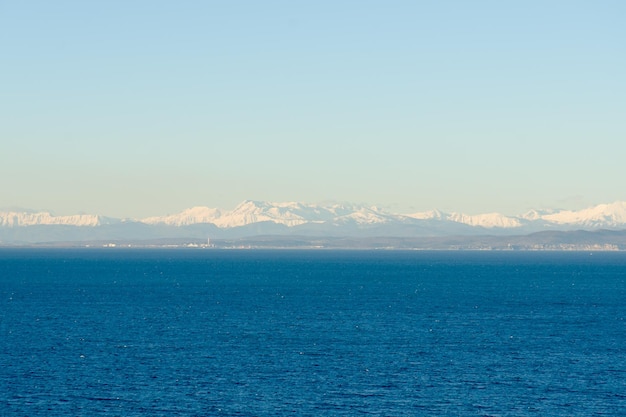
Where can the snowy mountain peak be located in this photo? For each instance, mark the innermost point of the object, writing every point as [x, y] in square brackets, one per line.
[29, 218]
[366, 216]
[428, 215]
[193, 215]
[602, 215]
[489, 220]
[289, 214]
[533, 215]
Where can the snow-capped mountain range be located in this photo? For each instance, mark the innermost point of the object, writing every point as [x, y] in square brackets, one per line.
[294, 214]
[27, 218]
[288, 214]
[255, 218]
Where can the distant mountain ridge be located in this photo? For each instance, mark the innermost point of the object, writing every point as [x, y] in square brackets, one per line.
[293, 214]
[289, 214]
[29, 218]
[254, 218]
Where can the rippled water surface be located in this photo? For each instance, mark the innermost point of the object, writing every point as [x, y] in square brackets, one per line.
[210, 332]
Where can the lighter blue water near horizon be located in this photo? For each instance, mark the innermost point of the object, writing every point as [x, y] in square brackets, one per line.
[311, 333]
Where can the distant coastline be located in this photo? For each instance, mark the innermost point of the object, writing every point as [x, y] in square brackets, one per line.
[580, 240]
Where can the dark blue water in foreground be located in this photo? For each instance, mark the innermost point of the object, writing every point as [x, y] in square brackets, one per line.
[193, 332]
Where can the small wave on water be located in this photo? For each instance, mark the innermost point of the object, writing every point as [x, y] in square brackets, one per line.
[258, 333]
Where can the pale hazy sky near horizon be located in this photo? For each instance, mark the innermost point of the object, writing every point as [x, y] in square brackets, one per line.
[139, 108]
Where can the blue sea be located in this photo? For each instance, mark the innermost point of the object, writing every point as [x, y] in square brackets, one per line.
[311, 333]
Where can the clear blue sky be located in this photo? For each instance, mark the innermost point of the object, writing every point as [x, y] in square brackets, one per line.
[137, 108]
